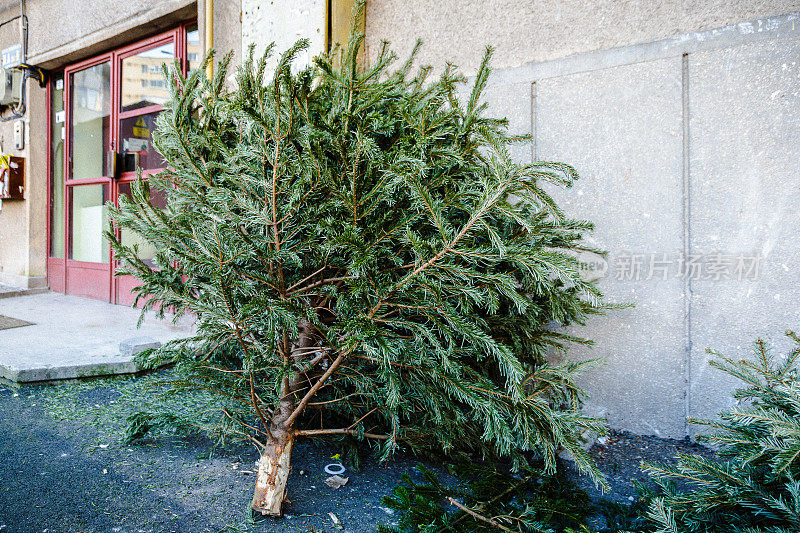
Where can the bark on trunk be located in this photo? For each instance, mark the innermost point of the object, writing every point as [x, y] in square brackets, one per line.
[273, 472]
[276, 459]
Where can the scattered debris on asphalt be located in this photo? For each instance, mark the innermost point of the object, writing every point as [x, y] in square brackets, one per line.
[334, 469]
[336, 482]
[336, 522]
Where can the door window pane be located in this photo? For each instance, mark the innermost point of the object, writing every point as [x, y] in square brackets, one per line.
[143, 82]
[194, 55]
[87, 222]
[58, 124]
[129, 237]
[90, 121]
[136, 142]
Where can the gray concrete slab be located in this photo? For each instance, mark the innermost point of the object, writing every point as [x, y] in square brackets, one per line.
[740, 199]
[513, 102]
[75, 337]
[741, 32]
[621, 129]
[745, 203]
[10, 291]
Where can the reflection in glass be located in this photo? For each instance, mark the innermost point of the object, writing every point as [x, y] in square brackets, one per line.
[193, 52]
[129, 237]
[87, 221]
[90, 121]
[143, 82]
[57, 126]
[136, 142]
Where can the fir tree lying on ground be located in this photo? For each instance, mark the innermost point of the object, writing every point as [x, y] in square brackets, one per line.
[756, 486]
[487, 499]
[364, 260]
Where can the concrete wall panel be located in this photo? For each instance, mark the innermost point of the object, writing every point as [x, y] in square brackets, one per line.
[541, 30]
[745, 203]
[61, 32]
[513, 102]
[228, 30]
[621, 129]
[284, 22]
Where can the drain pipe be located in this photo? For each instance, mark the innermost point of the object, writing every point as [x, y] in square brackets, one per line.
[209, 33]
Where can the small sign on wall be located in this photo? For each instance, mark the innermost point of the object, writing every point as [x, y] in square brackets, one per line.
[12, 56]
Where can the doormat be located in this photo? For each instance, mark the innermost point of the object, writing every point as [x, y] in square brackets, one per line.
[6, 322]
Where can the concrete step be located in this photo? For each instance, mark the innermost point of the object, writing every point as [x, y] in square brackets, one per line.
[75, 337]
[9, 291]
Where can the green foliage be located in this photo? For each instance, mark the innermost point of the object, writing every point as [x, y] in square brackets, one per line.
[623, 517]
[524, 502]
[142, 424]
[756, 485]
[362, 255]
[101, 407]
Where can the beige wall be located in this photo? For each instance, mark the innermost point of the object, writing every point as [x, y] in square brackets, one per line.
[15, 216]
[227, 29]
[36, 144]
[539, 30]
[22, 223]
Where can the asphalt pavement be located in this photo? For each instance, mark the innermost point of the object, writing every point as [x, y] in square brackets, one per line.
[60, 474]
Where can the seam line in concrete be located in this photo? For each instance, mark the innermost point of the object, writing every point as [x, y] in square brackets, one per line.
[533, 122]
[687, 282]
[677, 45]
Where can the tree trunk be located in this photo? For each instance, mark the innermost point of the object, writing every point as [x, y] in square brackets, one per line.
[273, 473]
[276, 459]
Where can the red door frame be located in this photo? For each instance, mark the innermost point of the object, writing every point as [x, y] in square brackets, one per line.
[96, 280]
[83, 278]
[122, 285]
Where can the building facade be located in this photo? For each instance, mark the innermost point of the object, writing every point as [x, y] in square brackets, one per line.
[681, 117]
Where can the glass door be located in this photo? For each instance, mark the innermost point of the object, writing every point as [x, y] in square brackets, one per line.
[143, 92]
[56, 218]
[89, 173]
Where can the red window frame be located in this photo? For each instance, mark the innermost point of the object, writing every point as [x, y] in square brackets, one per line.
[96, 279]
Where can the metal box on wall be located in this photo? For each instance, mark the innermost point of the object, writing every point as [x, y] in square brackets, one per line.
[11, 87]
[12, 177]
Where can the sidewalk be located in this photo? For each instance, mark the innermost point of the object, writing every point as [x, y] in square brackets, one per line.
[75, 337]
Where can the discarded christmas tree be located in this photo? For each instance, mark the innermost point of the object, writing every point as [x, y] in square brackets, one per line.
[755, 486]
[364, 259]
